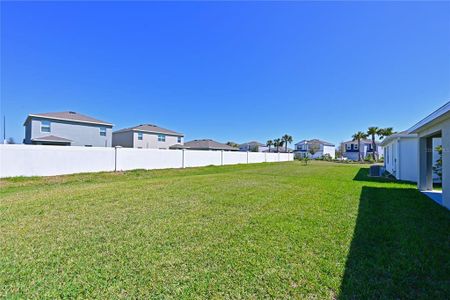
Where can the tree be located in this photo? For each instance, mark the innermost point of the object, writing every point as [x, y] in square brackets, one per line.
[358, 137]
[437, 168]
[286, 139]
[373, 132]
[254, 148]
[269, 144]
[313, 148]
[277, 143]
[340, 150]
[233, 144]
[385, 132]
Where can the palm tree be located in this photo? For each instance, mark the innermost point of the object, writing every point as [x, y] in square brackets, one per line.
[372, 132]
[276, 143]
[358, 137]
[286, 139]
[269, 144]
[384, 132]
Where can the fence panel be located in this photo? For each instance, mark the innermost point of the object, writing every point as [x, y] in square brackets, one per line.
[130, 158]
[34, 160]
[199, 158]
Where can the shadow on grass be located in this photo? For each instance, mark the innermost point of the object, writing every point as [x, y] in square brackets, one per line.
[363, 175]
[400, 247]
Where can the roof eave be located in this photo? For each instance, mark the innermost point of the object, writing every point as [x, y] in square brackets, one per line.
[433, 117]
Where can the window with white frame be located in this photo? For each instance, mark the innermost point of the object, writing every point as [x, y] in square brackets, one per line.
[348, 146]
[355, 147]
[179, 139]
[140, 135]
[45, 126]
[161, 138]
[102, 131]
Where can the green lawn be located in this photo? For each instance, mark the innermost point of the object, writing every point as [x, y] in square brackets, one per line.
[280, 230]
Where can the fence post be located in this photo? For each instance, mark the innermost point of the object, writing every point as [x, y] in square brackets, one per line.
[182, 158]
[265, 156]
[247, 157]
[115, 157]
[221, 157]
[278, 156]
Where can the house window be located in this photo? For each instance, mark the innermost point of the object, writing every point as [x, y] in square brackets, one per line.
[102, 131]
[45, 126]
[179, 139]
[349, 146]
[161, 138]
[140, 135]
[356, 147]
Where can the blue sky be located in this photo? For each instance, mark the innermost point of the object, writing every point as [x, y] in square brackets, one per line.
[235, 71]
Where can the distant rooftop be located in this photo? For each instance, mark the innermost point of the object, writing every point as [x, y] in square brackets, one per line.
[316, 141]
[208, 144]
[69, 116]
[150, 128]
[253, 143]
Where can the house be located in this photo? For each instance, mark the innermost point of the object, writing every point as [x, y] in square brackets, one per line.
[281, 149]
[147, 136]
[314, 148]
[67, 128]
[208, 144]
[351, 150]
[253, 147]
[435, 125]
[400, 155]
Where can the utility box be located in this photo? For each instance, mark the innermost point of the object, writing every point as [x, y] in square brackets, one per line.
[375, 171]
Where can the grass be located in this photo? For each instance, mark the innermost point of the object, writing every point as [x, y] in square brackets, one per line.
[280, 230]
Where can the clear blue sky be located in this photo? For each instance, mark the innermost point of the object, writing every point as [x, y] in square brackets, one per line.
[227, 71]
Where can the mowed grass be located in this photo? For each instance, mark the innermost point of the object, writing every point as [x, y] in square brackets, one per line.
[275, 230]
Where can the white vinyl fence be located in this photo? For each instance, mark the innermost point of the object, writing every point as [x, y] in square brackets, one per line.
[35, 160]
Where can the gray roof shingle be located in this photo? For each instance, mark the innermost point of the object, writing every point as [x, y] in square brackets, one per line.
[150, 128]
[208, 144]
[69, 116]
[51, 138]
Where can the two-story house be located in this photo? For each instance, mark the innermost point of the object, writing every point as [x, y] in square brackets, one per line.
[351, 150]
[147, 136]
[314, 148]
[67, 128]
[253, 147]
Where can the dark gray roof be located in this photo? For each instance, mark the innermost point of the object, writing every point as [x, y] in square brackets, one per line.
[51, 138]
[316, 141]
[69, 116]
[208, 144]
[150, 128]
[177, 146]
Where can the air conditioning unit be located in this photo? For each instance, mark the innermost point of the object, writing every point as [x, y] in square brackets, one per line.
[376, 171]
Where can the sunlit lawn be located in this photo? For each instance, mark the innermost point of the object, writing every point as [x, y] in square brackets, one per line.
[249, 231]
